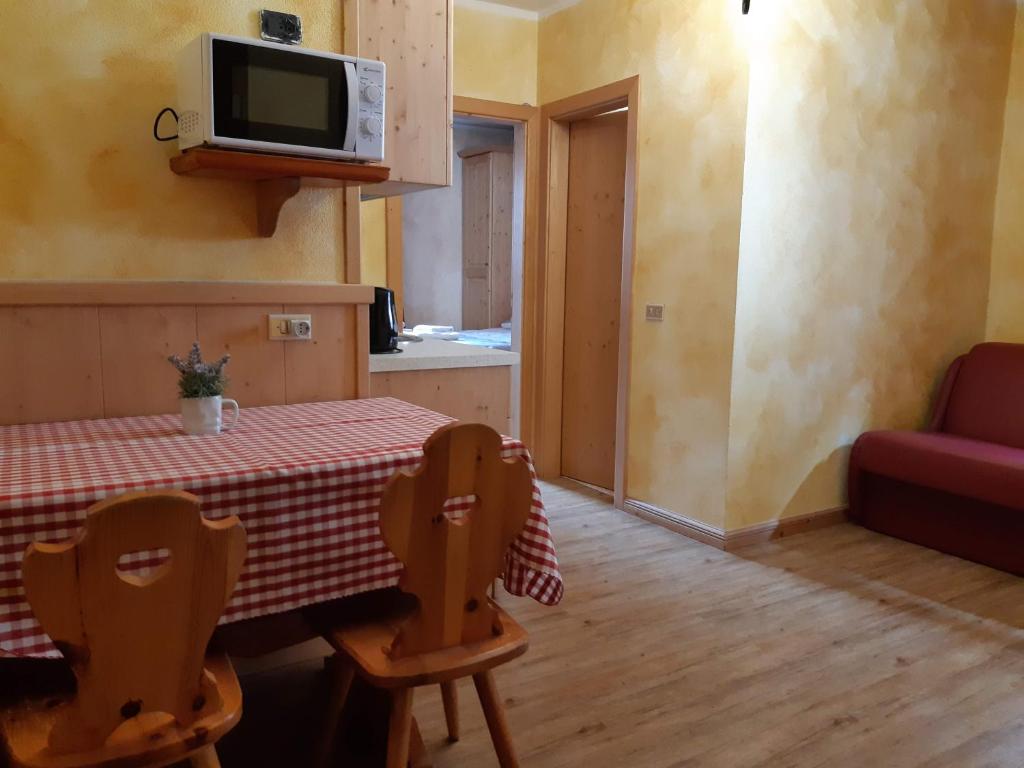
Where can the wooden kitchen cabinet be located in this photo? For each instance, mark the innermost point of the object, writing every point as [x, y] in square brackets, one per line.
[414, 39]
[477, 395]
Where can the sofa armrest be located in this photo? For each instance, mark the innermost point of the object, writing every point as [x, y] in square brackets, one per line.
[945, 393]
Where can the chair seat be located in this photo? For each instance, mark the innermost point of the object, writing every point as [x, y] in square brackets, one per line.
[151, 739]
[367, 646]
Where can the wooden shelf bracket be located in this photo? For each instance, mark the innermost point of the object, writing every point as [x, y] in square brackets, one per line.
[271, 195]
[278, 178]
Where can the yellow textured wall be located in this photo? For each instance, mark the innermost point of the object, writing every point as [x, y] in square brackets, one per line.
[85, 191]
[373, 255]
[495, 56]
[873, 146]
[693, 68]
[1006, 292]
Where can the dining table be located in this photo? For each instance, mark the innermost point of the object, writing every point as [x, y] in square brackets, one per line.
[305, 480]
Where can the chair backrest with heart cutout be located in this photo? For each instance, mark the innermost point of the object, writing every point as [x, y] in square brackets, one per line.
[450, 523]
[136, 642]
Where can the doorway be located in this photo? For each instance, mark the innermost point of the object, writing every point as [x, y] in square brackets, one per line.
[584, 286]
[459, 257]
[593, 293]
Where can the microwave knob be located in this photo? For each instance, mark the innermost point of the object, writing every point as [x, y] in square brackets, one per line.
[372, 93]
[372, 126]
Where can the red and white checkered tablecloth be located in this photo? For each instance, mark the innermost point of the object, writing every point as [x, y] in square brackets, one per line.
[304, 480]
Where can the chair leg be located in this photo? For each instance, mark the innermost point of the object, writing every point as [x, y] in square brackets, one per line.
[399, 728]
[450, 697]
[494, 712]
[342, 674]
[205, 758]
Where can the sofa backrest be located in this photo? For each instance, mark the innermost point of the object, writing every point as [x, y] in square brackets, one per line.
[987, 397]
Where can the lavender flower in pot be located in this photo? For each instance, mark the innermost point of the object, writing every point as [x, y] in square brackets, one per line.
[201, 386]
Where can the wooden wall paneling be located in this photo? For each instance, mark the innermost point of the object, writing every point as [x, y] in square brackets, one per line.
[414, 39]
[323, 368]
[135, 345]
[362, 351]
[163, 294]
[476, 241]
[256, 372]
[593, 289]
[395, 251]
[502, 198]
[88, 350]
[50, 364]
[352, 264]
[469, 394]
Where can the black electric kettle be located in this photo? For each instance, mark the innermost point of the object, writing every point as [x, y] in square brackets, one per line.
[383, 323]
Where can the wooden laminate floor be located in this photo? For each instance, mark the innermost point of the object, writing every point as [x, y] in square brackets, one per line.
[839, 647]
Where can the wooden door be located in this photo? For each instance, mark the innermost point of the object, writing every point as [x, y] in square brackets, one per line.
[593, 284]
[487, 195]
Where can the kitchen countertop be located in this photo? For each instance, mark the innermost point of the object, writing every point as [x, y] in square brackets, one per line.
[431, 354]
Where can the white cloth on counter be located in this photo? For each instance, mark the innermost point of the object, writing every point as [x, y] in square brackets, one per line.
[446, 332]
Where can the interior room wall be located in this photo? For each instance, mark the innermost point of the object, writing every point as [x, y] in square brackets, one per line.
[873, 146]
[432, 238]
[495, 54]
[85, 190]
[1006, 285]
[693, 91]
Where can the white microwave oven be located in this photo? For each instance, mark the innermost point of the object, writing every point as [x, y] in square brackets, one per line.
[238, 93]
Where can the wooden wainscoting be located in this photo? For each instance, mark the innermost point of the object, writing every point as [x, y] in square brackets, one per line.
[93, 350]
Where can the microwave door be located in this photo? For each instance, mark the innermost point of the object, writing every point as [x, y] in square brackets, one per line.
[352, 113]
[279, 100]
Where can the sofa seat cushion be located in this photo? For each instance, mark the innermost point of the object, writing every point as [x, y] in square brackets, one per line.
[959, 465]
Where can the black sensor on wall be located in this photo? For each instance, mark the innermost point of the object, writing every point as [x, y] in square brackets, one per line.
[746, 7]
[280, 27]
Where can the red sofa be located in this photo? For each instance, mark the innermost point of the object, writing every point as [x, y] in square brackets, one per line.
[958, 486]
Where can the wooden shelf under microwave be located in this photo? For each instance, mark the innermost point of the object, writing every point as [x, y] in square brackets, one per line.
[277, 177]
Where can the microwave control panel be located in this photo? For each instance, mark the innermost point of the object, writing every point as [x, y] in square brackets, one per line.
[372, 89]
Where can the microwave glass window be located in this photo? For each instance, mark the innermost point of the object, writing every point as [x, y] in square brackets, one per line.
[278, 97]
[282, 97]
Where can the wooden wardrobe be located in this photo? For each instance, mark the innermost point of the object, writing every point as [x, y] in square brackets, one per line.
[487, 192]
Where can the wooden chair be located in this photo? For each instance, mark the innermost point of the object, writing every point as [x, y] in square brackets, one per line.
[148, 695]
[450, 559]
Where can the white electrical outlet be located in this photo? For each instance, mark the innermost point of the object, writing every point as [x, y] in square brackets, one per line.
[655, 313]
[290, 327]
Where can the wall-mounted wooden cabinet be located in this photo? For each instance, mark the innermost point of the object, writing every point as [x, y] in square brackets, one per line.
[414, 39]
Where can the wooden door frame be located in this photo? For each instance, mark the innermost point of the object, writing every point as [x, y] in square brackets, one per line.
[549, 291]
[530, 373]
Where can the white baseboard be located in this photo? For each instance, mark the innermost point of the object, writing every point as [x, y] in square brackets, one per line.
[740, 537]
[694, 529]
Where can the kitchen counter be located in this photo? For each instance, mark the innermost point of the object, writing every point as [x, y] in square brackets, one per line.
[437, 354]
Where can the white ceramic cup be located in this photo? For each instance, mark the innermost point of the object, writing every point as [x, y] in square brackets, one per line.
[204, 415]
